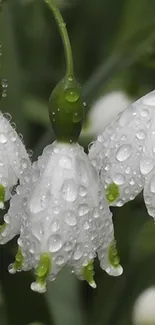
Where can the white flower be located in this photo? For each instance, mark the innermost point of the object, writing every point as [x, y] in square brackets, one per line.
[144, 308]
[62, 216]
[104, 110]
[13, 158]
[125, 154]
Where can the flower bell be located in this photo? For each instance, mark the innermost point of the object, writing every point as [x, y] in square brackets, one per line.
[13, 158]
[62, 216]
[124, 154]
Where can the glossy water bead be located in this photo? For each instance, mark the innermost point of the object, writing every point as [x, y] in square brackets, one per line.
[62, 217]
[13, 158]
[125, 154]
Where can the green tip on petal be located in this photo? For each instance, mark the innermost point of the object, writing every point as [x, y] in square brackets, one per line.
[2, 196]
[2, 227]
[113, 255]
[42, 272]
[112, 192]
[88, 274]
[18, 264]
[66, 110]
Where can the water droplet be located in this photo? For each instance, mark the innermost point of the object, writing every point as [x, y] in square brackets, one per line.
[4, 85]
[59, 260]
[128, 170]
[144, 113]
[68, 246]
[123, 152]
[77, 254]
[55, 226]
[70, 218]
[118, 179]
[96, 213]
[72, 95]
[82, 191]
[132, 181]
[69, 190]
[7, 116]
[3, 137]
[77, 117]
[146, 165]
[83, 209]
[55, 243]
[12, 135]
[141, 135]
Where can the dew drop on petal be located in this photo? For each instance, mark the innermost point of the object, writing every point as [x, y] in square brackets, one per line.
[3, 137]
[59, 260]
[70, 218]
[83, 209]
[146, 165]
[69, 190]
[68, 246]
[77, 254]
[55, 243]
[82, 191]
[12, 135]
[141, 135]
[118, 179]
[144, 113]
[124, 152]
[54, 227]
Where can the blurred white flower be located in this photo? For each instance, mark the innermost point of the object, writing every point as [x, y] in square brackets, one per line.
[144, 308]
[13, 158]
[104, 110]
[125, 154]
[62, 216]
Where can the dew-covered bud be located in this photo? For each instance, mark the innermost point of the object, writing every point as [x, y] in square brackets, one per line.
[66, 110]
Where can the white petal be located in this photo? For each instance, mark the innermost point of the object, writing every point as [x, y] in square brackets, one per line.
[117, 152]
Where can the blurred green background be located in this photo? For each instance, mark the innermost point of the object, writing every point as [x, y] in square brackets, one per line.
[114, 49]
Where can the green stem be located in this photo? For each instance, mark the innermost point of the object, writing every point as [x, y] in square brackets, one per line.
[64, 35]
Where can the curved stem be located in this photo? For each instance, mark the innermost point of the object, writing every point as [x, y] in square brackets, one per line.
[64, 35]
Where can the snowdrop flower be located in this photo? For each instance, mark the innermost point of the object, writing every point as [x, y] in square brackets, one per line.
[62, 216]
[13, 158]
[104, 110]
[124, 154]
[144, 308]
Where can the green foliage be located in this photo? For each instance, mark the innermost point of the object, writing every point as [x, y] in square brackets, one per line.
[114, 48]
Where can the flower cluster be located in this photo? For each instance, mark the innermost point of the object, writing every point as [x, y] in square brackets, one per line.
[124, 154]
[62, 217]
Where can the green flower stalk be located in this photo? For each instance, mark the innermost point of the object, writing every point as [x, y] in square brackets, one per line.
[66, 103]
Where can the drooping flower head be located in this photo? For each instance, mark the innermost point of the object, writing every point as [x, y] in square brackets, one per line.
[124, 154]
[62, 217]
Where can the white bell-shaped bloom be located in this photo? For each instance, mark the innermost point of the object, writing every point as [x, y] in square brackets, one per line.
[103, 111]
[124, 154]
[13, 158]
[144, 308]
[62, 215]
